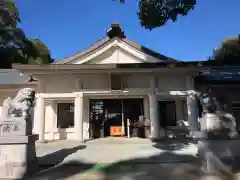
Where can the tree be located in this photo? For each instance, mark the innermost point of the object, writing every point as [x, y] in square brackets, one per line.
[229, 51]
[9, 13]
[41, 54]
[156, 13]
[15, 47]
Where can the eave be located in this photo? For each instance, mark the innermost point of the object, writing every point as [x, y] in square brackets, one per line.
[191, 67]
[98, 68]
[8, 87]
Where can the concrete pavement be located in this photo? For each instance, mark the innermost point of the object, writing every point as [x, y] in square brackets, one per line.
[119, 159]
[121, 171]
[111, 151]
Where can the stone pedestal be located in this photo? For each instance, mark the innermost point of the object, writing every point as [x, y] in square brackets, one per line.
[218, 150]
[17, 150]
[219, 156]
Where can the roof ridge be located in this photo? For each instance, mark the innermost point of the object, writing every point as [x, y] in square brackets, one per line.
[87, 50]
[148, 50]
[132, 43]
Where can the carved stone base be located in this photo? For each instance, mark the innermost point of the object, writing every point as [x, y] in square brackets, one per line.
[17, 156]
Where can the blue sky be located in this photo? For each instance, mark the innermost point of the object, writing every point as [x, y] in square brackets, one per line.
[69, 26]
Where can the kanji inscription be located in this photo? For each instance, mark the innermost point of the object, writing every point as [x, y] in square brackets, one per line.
[9, 128]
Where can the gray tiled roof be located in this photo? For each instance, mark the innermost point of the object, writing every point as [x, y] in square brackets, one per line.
[107, 39]
[12, 76]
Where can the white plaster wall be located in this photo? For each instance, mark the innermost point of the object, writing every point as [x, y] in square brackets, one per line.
[97, 82]
[59, 84]
[136, 81]
[94, 82]
[176, 82]
[68, 84]
[114, 56]
[124, 57]
[116, 52]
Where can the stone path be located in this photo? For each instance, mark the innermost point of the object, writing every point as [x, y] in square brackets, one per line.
[119, 159]
[121, 171]
[111, 151]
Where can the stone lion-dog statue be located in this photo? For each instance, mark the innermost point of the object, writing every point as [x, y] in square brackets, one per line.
[20, 105]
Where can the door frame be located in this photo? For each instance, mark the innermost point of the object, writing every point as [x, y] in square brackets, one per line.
[122, 98]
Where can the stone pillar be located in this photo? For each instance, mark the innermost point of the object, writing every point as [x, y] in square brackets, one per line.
[41, 118]
[192, 110]
[54, 118]
[192, 105]
[153, 110]
[146, 108]
[155, 123]
[78, 117]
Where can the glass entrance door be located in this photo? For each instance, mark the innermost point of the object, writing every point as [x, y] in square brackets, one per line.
[97, 118]
[105, 113]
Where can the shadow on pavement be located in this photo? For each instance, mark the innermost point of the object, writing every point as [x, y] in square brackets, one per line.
[134, 169]
[48, 163]
[178, 166]
[61, 171]
[173, 144]
[152, 167]
[165, 166]
[149, 168]
[57, 157]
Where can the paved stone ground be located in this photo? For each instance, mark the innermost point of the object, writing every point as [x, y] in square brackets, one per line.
[163, 171]
[118, 159]
[114, 150]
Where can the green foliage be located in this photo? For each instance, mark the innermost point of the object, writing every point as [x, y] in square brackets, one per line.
[229, 50]
[42, 53]
[15, 47]
[156, 13]
[9, 13]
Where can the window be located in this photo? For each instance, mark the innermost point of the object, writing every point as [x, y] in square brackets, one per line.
[116, 83]
[65, 115]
